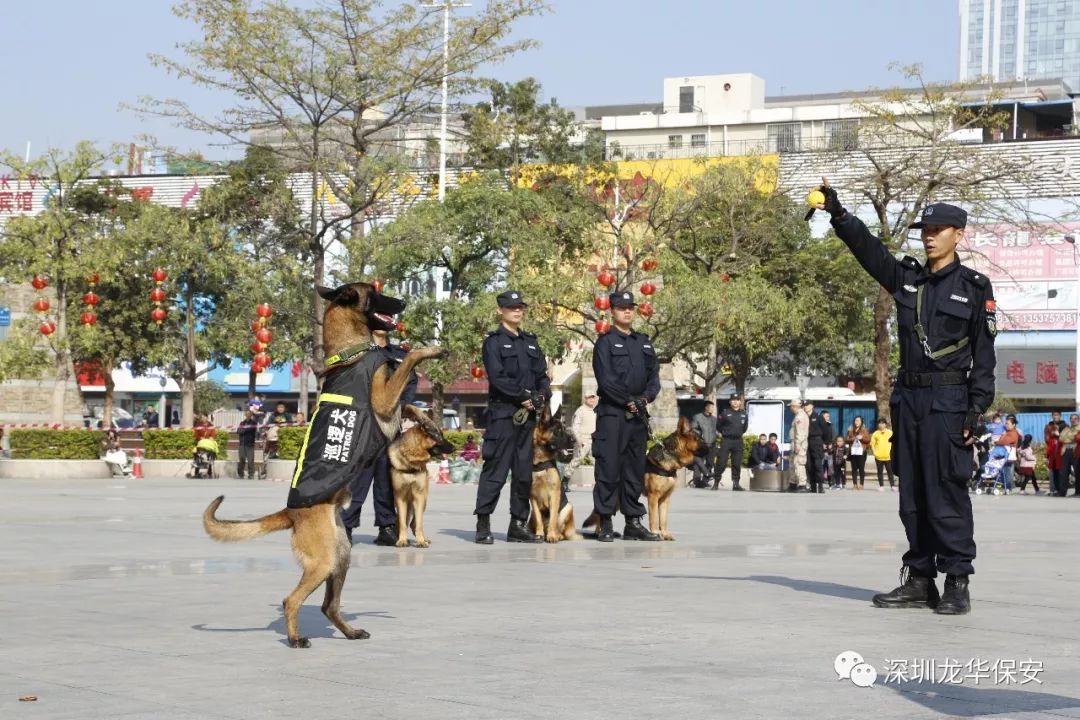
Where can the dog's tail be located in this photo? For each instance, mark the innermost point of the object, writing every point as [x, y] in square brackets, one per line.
[237, 530]
[592, 521]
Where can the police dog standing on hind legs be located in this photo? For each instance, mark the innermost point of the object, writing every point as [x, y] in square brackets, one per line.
[358, 412]
[947, 322]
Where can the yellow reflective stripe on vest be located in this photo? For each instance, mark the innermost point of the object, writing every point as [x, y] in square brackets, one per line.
[303, 448]
[335, 398]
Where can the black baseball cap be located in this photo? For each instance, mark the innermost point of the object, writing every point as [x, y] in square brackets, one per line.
[622, 298]
[942, 214]
[510, 299]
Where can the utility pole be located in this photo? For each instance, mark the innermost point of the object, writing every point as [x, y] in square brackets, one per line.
[447, 6]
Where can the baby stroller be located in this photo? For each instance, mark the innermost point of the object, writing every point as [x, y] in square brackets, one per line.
[202, 464]
[991, 479]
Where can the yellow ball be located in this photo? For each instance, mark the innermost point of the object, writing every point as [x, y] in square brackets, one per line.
[815, 198]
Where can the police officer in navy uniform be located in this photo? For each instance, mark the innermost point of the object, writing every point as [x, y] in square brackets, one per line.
[518, 387]
[947, 323]
[375, 478]
[628, 379]
[731, 425]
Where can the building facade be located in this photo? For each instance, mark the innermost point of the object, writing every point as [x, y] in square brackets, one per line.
[1020, 40]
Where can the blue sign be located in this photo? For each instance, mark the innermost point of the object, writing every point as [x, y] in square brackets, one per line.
[5, 316]
[277, 379]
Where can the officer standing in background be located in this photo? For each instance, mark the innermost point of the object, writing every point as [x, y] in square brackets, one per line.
[946, 325]
[518, 387]
[377, 475]
[818, 436]
[628, 378]
[732, 426]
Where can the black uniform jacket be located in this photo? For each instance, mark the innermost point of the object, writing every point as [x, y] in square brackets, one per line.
[515, 366]
[958, 303]
[626, 369]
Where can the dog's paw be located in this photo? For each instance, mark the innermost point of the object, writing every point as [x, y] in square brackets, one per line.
[299, 642]
[423, 542]
[551, 538]
[358, 634]
[667, 536]
[402, 543]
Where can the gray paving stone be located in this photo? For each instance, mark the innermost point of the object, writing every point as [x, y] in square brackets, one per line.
[117, 606]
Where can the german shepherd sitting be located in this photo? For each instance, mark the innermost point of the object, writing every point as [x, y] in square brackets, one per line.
[677, 451]
[358, 413]
[409, 456]
[552, 513]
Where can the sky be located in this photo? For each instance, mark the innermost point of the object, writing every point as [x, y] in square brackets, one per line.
[69, 64]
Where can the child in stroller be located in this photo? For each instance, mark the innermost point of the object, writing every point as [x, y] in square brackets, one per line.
[992, 477]
[206, 449]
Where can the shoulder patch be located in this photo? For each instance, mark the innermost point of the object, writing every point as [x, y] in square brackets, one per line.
[911, 263]
[975, 278]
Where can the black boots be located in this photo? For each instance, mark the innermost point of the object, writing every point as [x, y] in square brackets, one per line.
[483, 530]
[634, 530]
[518, 532]
[915, 591]
[605, 533]
[738, 488]
[955, 600]
[387, 535]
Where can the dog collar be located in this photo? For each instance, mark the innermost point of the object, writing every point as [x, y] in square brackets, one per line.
[655, 470]
[348, 355]
[546, 465]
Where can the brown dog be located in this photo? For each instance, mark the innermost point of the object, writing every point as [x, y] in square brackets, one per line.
[359, 410]
[552, 513]
[677, 451]
[409, 456]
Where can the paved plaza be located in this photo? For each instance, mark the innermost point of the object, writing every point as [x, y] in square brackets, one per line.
[116, 605]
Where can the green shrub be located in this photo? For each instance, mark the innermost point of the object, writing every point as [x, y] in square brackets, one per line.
[457, 438]
[290, 440]
[178, 444]
[56, 444]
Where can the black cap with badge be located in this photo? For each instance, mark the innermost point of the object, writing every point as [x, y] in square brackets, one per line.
[511, 299]
[942, 214]
[622, 298]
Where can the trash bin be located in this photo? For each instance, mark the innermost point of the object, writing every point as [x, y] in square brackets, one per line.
[769, 480]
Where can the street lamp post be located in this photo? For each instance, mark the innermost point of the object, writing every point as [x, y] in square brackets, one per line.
[447, 6]
[1076, 291]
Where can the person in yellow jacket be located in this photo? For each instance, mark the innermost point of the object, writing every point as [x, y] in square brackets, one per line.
[881, 444]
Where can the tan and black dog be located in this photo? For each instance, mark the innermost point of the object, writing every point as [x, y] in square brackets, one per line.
[409, 456]
[552, 513]
[359, 411]
[677, 451]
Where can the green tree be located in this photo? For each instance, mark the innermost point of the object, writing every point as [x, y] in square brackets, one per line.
[209, 396]
[326, 86]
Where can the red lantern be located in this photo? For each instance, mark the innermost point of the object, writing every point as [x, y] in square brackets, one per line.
[603, 302]
[256, 326]
[606, 278]
[602, 326]
[264, 310]
[477, 372]
[257, 369]
[645, 309]
[88, 318]
[724, 277]
[158, 315]
[257, 347]
[647, 288]
[649, 264]
[401, 328]
[264, 336]
[93, 279]
[159, 275]
[41, 305]
[377, 285]
[157, 295]
[39, 283]
[405, 346]
[91, 298]
[47, 328]
[262, 359]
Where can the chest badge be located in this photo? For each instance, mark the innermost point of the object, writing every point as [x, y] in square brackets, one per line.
[618, 345]
[958, 298]
[909, 288]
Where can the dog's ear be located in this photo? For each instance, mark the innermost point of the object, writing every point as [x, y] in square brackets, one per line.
[684, 426]
[344, 295]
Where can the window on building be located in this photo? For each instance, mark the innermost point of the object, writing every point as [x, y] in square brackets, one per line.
[842, 134]
[697, 140]
[446, 283]
[686, 99]
[785, 137]
[674, 141]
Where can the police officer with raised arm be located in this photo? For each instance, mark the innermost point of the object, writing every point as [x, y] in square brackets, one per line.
[628, 379]
[518, 387]
[946, 325]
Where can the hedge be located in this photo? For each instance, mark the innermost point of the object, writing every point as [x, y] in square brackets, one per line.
[290, 439]
[56, 444]
[178, 444]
